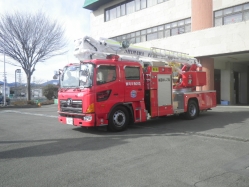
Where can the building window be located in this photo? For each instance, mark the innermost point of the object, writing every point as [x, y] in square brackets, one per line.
[128, 8]
[246, 16]
[107, 14]
[161, 31]
[123, 10]
[231, 15]
[233, 18]
[113, 13]
[151, 3]
[140, 4]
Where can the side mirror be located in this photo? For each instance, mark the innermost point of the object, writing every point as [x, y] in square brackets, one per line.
[56, 74]
[55, 77]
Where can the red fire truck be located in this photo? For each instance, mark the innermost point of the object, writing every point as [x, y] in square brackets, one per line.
[117, 84]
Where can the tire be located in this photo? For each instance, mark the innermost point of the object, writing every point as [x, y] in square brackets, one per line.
[118, 119]
[192, 111]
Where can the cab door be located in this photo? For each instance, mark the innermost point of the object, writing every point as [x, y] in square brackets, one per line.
[134, 84]
[107, 88]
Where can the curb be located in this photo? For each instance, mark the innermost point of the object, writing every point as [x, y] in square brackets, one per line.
[24, 106]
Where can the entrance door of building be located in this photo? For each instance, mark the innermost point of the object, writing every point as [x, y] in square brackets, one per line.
[236, 86]
[217, 84]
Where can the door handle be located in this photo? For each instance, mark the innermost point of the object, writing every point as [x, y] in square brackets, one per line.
[115, 94]
[140, 89]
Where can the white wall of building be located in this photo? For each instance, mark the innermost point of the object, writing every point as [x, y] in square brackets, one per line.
[162, 13]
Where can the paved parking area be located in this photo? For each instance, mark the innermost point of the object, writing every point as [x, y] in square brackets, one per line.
[213, 150]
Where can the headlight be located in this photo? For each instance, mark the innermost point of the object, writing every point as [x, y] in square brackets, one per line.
[87, 118]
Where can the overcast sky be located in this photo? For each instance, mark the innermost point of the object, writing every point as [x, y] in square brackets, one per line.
[69, 12]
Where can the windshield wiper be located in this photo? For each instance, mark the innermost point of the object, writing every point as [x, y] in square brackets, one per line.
[65, 88]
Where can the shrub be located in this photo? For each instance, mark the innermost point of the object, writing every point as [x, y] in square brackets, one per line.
[22, 103]
[19, 103]
[50, 91]
[31, 102]
[48, 102]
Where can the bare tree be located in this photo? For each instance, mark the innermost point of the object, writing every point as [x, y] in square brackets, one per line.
[29, 39]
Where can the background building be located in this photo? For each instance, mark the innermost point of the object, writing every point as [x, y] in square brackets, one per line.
[214, 31]
[7, 90]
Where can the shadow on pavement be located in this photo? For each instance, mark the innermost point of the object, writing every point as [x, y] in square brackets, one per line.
[97, 139]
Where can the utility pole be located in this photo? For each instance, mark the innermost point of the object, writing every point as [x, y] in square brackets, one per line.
[4, 81]
[17, 71]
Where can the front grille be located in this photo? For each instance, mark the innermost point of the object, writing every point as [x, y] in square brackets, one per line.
[74, 107]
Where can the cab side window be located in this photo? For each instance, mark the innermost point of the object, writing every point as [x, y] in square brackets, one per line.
[106, 74]
[132, 73]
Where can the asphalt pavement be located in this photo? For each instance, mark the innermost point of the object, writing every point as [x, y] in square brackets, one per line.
[210, 151]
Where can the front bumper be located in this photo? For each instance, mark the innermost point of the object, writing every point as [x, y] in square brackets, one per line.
[84, 120]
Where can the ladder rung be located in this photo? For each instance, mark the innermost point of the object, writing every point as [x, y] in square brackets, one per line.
[161, 53]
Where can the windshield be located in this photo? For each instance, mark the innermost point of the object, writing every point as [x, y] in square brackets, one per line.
[70, 77]
[86, 75]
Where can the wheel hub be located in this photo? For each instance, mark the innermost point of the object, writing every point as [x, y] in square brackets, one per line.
[192, 110]
[119, 118]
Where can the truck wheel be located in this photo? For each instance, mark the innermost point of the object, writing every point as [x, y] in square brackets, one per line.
[118, 119]
[192, 111]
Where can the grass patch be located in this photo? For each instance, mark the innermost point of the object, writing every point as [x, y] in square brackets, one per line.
[32, 102]
[22, 103]
[47, 102]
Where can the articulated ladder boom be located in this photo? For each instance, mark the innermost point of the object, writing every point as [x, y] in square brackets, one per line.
[87, 47]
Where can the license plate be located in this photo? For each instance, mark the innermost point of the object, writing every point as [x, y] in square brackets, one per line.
[69, 121]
